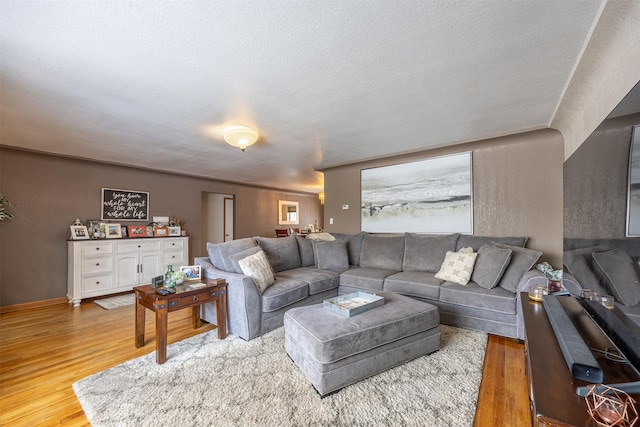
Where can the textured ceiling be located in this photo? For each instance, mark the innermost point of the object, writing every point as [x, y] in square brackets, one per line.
[152, 84]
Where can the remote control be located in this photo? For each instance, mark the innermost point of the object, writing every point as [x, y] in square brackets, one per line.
[162, 291]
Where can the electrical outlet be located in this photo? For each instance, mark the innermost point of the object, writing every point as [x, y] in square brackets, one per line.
[331, 221]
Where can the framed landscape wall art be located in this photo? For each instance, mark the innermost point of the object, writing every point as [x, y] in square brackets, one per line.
[427, 196]
[633, 194]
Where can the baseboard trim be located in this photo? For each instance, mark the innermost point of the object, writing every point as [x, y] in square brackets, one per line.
[34, 304]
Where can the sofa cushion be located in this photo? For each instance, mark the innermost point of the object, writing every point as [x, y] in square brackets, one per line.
[258, 268]
[219, 252]
[580, 264]
[522, 259]
[282, 252]
[234, 258]
[476, 242]
[354, 245]
[620, 274]
[490, 266]
[415, 284]
[318, 280]
[331, 255]
[305, 247]
[284, 292]
[365, 277]
[457, 267]
[426, 252]
[472, 295]
[382, 252]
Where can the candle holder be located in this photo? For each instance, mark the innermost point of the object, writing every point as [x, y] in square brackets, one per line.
[611, 407]
[537, 291]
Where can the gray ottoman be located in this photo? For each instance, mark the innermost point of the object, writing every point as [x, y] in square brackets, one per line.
[334, 351]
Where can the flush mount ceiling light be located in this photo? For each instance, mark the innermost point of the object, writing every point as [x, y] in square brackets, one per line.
[240, 136]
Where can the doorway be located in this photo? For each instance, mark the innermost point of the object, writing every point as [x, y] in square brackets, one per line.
[217, 218]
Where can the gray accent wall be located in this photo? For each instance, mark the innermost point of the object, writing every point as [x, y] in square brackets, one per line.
[517, 189]
[50, 192]
[595, 182]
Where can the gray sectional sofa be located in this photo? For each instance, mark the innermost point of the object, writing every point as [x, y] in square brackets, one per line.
[607, 266]
[309, 271]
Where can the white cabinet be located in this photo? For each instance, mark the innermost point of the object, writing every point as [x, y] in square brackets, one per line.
[100, 267]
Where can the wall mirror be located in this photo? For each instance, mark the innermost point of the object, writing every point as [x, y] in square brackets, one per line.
[288, 213]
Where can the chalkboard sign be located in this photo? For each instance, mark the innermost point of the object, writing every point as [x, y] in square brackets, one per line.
[125, 205]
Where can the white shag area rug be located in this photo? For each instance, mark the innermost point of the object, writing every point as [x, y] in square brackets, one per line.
[232, 382]
[117, 301]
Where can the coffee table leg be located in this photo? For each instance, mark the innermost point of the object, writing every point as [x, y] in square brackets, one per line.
[161, 335]
[140, 312]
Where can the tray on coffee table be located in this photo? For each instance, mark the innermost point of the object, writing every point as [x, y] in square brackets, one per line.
[352, 304]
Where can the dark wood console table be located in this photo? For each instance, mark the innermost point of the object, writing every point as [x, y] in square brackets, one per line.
[552, 389]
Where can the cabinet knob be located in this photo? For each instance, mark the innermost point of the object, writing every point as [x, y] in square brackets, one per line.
[195, 297]
[138, 245]
[97, 249]
[98, 282]
[173, 244]
[97, 263]
[173, 256]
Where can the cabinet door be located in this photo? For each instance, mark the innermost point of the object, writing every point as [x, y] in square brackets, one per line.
[127, 270]
[151, 266]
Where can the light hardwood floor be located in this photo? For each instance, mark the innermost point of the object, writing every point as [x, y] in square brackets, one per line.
[43, 351]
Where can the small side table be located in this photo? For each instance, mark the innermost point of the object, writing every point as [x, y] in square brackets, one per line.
[185, 297]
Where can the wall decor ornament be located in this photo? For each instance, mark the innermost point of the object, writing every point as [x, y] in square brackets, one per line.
[125, 205]
[427, 196]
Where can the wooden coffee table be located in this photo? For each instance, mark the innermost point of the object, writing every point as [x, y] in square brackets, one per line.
[185, 297]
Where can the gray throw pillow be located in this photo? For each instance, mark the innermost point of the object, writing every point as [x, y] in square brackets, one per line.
[580, 264]
[354, 245]
[491, 264]
[620, 274]
[235, 258]
[305, 246]
[382, 252]
[476, 242]
[219, 252]
[282, 252]
[426, 252]
[522, 259]
[331, 255]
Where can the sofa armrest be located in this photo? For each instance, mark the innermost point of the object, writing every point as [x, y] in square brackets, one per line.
[244, 303]
[531, 278]
[571, 284]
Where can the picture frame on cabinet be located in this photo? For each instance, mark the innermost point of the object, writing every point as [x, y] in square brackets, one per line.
[113, 231]
[79, 232]
[136, 231]
[94, 229]
[125, 234]
[160, 231]
[174, 231]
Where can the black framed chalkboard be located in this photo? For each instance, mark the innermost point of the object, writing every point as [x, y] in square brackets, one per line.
[125, 205]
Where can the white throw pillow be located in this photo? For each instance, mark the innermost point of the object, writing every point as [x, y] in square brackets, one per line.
[258, 268]
[457, 267]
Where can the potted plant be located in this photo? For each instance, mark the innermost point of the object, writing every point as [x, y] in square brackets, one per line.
[3, 204]
[179, 277]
